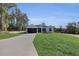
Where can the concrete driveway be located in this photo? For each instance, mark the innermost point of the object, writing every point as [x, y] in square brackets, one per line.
[18, 46]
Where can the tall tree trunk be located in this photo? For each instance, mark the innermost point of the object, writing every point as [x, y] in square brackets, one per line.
[4, 26]
[0, 22]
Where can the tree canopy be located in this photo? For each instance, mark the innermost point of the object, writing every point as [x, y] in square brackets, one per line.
[11, 18]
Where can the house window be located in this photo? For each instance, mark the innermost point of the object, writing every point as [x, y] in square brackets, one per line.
[44, 29]
[50, 29]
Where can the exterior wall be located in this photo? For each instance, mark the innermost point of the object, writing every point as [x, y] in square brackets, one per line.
[31, 26]
[48, 29]
[37, 27]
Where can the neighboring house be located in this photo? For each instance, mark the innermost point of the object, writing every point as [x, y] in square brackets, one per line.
[39, 28]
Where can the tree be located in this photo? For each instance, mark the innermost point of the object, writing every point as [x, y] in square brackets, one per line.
[21, 20]
[77, 28]
[24, 21]
[12, 19]
[4, 7]
[43, 24]
[60, 29]
[71, 27]
[43, 27]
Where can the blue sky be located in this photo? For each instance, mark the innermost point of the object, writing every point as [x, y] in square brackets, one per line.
[50, 13]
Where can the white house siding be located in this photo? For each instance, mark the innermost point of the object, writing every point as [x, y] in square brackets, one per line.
[39, 26]
[47, 29]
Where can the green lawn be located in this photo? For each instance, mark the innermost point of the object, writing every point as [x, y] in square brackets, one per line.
[56, 44]
[5, 35]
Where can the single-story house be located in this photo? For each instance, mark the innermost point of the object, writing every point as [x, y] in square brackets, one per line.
[39, 28]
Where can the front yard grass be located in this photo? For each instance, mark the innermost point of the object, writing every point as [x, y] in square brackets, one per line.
[5, 35]
[56, 44]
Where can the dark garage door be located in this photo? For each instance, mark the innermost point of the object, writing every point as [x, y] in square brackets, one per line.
[32, 30]
[39, 30]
